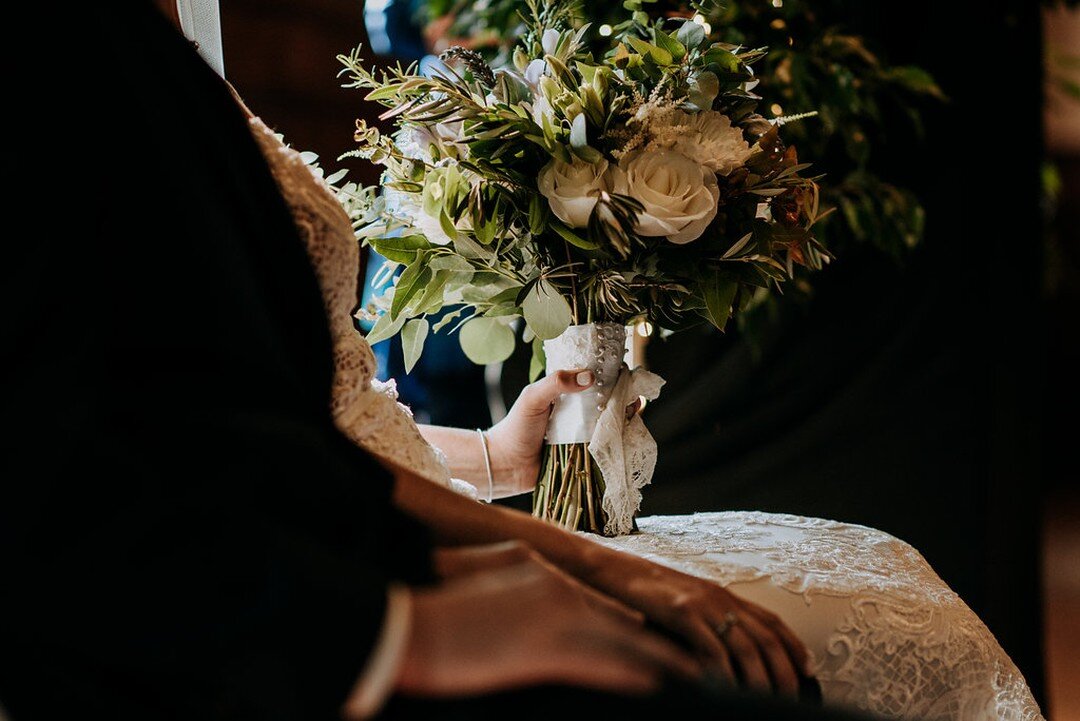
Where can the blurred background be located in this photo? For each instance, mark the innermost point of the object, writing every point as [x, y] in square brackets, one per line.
[931, 392]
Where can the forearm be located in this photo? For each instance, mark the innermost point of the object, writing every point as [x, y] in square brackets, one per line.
[465, 458]
[455, 520]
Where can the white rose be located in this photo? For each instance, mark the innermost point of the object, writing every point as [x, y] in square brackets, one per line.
[572, 188]
[680, 196]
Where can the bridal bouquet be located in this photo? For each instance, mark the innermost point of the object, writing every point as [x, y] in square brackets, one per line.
[581, 195]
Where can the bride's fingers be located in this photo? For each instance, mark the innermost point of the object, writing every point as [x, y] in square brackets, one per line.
[536, 398]
[782, 668]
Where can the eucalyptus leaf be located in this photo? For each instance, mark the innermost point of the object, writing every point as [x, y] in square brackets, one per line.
[413, 335]
[546, 311]
[704, 89]
[691, 34]
[486, 340]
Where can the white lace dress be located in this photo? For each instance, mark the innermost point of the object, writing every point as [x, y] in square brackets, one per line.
[887, 635]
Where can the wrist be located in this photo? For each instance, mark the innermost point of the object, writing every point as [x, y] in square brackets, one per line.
[507, 471]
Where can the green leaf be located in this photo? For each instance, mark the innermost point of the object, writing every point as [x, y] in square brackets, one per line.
[669, 44]
[546, 311]
[385, 327]
[384, 93]
[691, 34]
[449, 261]
[659, 55]
[485, 231]
[400, 248]
[539, 360]
[704, 89]
[469, 248]
[413, 336]
[411, 281]
[336, 176]
[738, 246]
[486, 340]
[538, 213]
[431, 298]
[724, 58]
[719, 291]
[571, 237]
[917, 80]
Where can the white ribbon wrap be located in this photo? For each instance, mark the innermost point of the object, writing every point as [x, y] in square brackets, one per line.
[624, 450]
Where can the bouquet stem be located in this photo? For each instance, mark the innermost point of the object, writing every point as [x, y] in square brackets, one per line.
[570, 490]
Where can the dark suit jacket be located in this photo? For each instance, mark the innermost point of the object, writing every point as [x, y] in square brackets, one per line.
[184, 533]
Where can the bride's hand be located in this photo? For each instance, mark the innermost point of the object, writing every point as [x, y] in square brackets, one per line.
[744, 642]
[516, 441]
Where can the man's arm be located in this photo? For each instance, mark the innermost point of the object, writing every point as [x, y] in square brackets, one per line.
[184, 532]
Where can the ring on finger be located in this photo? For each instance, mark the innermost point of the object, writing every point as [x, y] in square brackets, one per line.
[731, 620]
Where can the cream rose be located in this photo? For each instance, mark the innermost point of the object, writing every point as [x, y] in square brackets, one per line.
[680, 196]
[572, 188]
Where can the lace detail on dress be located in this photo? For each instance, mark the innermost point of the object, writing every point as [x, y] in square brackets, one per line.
[904, 645]
[366, 410]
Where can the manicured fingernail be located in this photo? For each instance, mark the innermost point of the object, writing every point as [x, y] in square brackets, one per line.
[584, 378]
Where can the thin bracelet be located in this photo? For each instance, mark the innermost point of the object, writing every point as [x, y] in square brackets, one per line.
[487, 464]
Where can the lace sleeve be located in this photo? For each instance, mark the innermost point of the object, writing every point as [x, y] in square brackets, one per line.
[364, 409]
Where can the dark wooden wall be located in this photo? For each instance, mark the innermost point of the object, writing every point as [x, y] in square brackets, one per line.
[280, 55]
